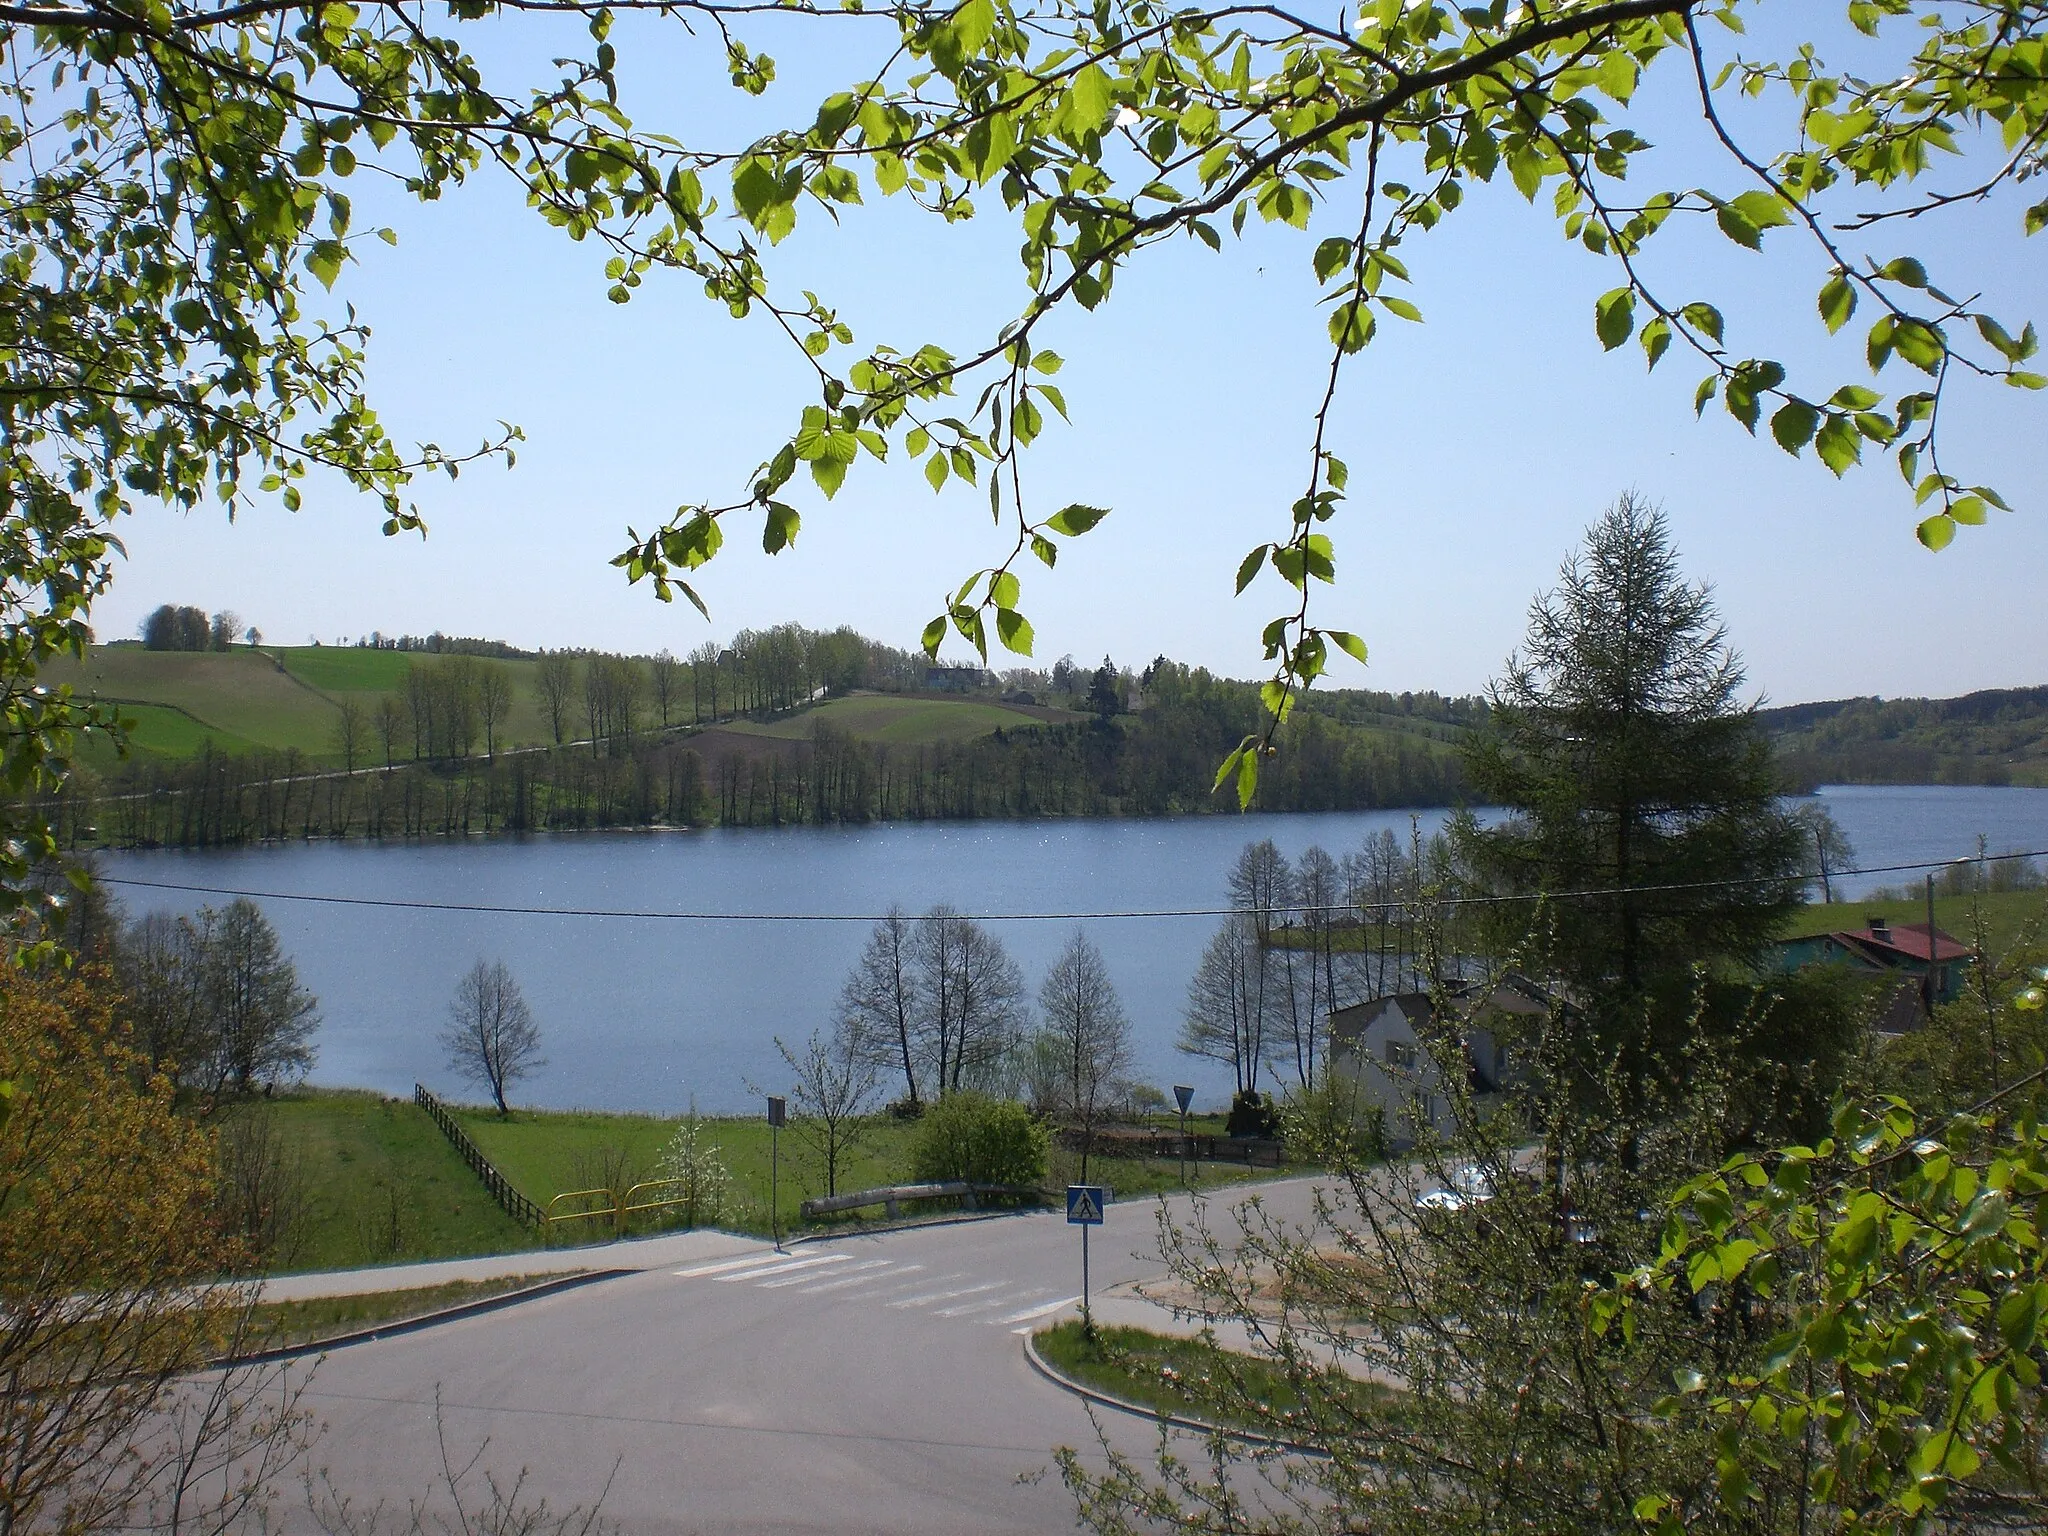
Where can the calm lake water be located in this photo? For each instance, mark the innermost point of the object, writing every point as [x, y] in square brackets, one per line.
[647, 1013]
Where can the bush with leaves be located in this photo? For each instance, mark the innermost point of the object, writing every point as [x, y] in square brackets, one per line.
[112, 1255]
[973, 1138]
[1895, 1278]
[704, 1185]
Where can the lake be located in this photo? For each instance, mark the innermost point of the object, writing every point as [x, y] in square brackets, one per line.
[651, 1013]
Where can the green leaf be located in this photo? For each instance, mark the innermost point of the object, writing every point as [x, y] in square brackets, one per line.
[1793, 425]
[1251, 566]
[935, 469]
[1656, 339]
[1905, 270]
[934, 636]
[324, 261]
[1614, 317]
[1839, 444]
[1014, 630]
[1004, 589]
[1349, 643]
[1837, 302]
[1703, 318]
[1089, 99]
[778, 532]
[1075, 519]
[1935, 532]
[1331, 257]
[2019, 1316]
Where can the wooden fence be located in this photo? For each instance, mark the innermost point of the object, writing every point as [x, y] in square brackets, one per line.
[517, 1206]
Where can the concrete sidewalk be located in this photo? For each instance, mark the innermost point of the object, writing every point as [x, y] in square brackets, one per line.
[631, 1253]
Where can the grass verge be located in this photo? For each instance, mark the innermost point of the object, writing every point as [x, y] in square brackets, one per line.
[292, 1324]
[381, 1185]
[1193, 1379]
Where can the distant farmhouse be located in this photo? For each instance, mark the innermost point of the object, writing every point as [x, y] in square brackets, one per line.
[1393, 1052]
[1895, 950]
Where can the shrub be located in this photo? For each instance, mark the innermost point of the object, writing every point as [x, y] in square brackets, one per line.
[972, 1137]
[1251, 1115]
[706, 1184]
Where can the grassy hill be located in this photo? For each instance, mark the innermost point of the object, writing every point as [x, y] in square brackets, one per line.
[1999, 736]
[291, 696]
[272, 698]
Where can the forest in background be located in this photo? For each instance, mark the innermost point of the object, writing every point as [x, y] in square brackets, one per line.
[406, 736]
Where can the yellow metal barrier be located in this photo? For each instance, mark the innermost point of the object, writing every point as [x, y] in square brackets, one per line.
[609, 1208]
[614, 1208]
[633, 1204]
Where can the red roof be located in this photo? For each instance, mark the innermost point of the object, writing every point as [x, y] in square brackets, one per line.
[1910, 941]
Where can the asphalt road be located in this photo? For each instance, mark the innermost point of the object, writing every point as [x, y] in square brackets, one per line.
[873, 1383]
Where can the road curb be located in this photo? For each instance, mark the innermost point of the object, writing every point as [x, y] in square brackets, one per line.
[406, 1325]
[911, 1224]
[1067, 1383]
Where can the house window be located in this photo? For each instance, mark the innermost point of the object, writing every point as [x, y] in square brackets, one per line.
[1401, 1053]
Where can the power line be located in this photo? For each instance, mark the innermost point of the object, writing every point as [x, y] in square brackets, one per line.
[496, 909]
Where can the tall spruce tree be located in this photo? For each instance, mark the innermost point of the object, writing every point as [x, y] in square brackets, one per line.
[1631, 770]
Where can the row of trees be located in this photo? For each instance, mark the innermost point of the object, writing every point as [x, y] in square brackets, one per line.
[171, 628]
[936, 1003]
[1307, 937]
[1137, 768]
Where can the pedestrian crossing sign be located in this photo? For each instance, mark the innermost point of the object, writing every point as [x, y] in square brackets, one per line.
[1085, 1203]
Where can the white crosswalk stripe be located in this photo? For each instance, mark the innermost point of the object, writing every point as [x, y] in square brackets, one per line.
[782, 1268]
[879, 1270]
[1046, 1310]
[885, 1282]
[931, 1296]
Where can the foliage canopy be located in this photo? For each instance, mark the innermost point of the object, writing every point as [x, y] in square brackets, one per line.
[174, 203]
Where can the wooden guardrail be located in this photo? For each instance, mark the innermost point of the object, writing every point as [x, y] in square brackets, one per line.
[893, 1197]
[517, 1206]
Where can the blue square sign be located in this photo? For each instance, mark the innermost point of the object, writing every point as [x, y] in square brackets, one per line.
[1085, 1203]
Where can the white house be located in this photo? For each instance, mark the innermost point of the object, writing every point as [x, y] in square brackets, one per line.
[1392, 1053]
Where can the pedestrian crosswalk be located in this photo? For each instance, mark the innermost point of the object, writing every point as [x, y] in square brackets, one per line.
[902, 1286]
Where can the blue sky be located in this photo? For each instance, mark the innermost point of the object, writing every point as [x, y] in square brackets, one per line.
[1481, 442]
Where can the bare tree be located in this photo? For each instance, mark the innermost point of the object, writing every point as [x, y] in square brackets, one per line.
[878, 1004]
[491, 1037]
[554, 684]
[227, 624]
[390, 724]
[493, 703]
[971, 999]
[1085, 1021]
[1223, 1022]
[351, 732]
[259, 1021]
[704, 681]
[833, 1091]
[157, 967]
[668, 682]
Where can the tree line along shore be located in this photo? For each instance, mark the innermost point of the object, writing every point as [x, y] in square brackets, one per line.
[233, 743]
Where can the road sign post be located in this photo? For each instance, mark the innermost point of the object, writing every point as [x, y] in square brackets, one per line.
[776, 1115]
[1183, 1095]
[1084, 1210]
